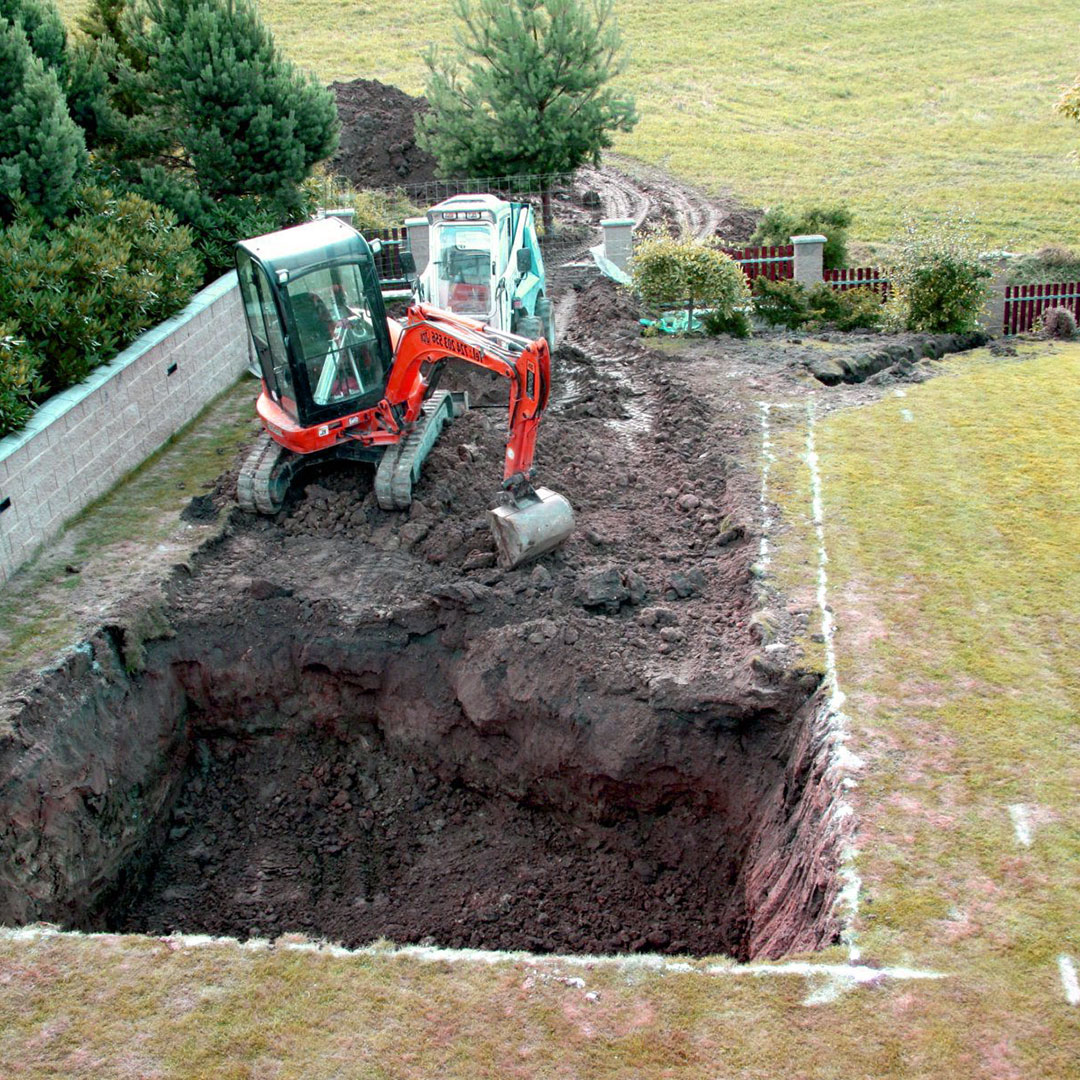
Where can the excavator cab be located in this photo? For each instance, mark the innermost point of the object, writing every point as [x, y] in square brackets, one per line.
[315, 311]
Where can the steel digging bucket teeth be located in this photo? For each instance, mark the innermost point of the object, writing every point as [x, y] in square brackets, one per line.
[534, 522]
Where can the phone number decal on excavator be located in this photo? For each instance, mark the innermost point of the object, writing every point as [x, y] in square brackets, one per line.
[450, 344]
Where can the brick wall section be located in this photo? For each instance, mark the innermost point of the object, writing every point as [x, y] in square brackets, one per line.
[82, 441]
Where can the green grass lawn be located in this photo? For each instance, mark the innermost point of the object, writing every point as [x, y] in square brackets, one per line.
[952, 522]
[920, 107]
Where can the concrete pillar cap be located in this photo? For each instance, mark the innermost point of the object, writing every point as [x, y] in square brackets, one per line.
[815, 239]
[618, 221]
[413, 221]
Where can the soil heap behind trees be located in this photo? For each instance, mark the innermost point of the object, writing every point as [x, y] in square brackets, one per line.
[378, 141]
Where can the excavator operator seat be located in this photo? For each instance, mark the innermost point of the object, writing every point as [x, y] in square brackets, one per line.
[335, 337]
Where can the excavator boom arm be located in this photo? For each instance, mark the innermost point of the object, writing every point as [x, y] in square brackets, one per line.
[431, 337]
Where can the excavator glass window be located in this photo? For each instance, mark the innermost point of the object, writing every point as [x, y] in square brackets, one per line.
[465, 268]
[334, 341]
[266, 333]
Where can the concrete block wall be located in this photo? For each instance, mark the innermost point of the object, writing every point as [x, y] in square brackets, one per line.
[83, 440]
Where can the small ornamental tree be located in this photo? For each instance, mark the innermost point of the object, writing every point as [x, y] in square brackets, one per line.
[938, 283]
[669, 272]
[527, 91]
[41, 149]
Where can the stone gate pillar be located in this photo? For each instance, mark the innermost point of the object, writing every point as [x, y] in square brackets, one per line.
[809, 259]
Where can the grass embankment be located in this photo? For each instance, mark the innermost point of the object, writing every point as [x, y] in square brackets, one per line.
[134, 529]
[922, 106]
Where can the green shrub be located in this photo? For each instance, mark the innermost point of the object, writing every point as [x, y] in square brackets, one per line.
[781, 303]
[1058, 322]
[780, 224]
[217, 224]
[81, 291]
[939, 284]
[737, 324]
[19, 381]
[847, 309]
[373, 210]
[669, 272]
[789, 304]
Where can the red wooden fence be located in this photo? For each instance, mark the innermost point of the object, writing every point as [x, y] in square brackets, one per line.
[1025, 303]
[777, 263]
[858, 277]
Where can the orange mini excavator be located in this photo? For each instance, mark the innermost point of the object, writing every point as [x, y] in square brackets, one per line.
[340, 379]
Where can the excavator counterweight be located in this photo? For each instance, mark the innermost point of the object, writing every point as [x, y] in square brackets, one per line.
[341, 380]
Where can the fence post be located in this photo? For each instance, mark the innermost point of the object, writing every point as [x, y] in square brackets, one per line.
[344, 213]
[416, 228]
[992, 319]
[809, 259]
[618, 240]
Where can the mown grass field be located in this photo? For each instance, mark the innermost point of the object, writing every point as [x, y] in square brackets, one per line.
[921, 107]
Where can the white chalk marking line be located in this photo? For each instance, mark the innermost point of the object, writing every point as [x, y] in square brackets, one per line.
[765, 408]
[1021, 819]
[767, 458]
[842, 760]
[842, 976]
[1068, 979]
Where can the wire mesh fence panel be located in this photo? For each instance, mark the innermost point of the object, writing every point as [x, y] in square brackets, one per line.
[388, 258]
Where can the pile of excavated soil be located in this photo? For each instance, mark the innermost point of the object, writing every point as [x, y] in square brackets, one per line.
[378, 139]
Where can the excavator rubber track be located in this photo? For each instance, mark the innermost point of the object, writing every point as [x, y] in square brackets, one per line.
[401, 464]
[265, 476]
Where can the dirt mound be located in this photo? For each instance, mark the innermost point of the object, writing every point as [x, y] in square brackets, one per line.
[608, 309]
[738, 223]
[378, 143]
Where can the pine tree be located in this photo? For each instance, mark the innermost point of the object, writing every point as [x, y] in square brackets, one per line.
[246, 121]
[41, 149]
[44, 30]
[191, 102]
[527, 91]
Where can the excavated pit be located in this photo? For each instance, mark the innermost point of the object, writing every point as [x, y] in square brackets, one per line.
[278, 770]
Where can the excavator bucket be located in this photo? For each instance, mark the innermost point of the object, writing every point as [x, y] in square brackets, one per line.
[530, 525]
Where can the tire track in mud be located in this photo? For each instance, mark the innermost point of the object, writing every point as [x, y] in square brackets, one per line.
[653, 202]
